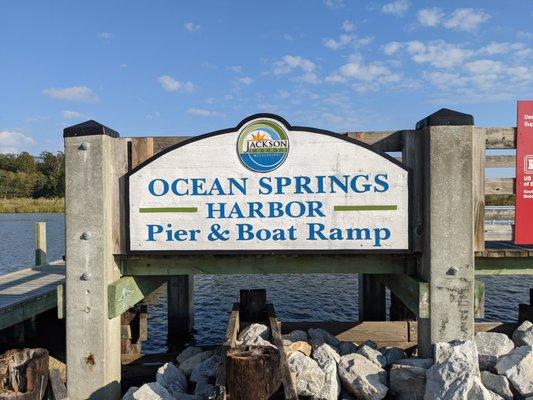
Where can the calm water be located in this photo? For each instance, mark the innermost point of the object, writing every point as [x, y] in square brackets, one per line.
[296, 297]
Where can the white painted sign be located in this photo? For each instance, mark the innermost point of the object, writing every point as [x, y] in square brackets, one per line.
[266, 186]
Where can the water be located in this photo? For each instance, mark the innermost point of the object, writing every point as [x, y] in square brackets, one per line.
[331, 297]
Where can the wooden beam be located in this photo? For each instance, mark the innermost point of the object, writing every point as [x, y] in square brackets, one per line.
[23, 311]
[411, 291]
[128, 291]
[262, 264]
[500, 161]
[504, 266]
[61, 301]
[499, 232]
[40, 243]
[500, 186]
[499, 138]
[372, 298]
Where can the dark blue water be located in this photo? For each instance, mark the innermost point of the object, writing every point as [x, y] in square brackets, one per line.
[331, 297]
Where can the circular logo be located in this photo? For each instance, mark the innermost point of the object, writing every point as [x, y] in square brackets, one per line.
[263, 146]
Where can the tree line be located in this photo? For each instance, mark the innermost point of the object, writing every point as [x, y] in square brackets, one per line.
[24, 175]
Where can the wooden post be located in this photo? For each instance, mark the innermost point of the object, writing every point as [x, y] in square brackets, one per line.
[40, 243]
[447, 260]
[94, 160]
[372, 306]
[253, 305]
[180, 300]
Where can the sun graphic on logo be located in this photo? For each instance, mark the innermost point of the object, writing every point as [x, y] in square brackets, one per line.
[259, 137]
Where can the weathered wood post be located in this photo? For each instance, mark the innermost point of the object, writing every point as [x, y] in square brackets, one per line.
[447, 259]
[94, 160]
[180, 311]
[372, 305]
[40, 243]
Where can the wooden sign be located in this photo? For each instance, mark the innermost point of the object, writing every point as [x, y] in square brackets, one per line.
[265, 187]
[524, 173]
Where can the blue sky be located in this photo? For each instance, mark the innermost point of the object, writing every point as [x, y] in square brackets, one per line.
[186, 68]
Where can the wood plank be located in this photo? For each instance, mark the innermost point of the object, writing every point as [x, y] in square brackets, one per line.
[411, 291]
[479, 299]
[499, 232]
[478, 189]
[128, 291]
[58, 389]
[162, 142]
[506, 161]
[500, 186]
[503, 214]
[259, 264]
[380, 140]
[504, 266]
[499, 138]
[23, 311]
[142, 148]
[61, 301]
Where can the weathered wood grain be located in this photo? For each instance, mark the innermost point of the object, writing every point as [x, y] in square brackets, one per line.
[499, 138]
[499, 232]
[500, 186]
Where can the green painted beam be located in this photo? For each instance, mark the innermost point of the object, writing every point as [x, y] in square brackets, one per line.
[263, 264]
[479, 299]
[128, 291]
[411, 291]
[504, 265]
[23, 311]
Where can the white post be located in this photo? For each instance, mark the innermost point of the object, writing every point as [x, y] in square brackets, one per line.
[40, 243]
[93, 341]
[447, 260]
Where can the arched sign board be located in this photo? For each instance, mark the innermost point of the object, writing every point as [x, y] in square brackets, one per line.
[266, 187]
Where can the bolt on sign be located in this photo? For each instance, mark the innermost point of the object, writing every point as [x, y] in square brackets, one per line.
[524, 173]
[265, 186]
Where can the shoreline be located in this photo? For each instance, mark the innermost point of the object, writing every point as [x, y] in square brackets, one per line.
[30, 205]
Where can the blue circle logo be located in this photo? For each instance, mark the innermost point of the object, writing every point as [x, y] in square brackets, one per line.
[263, 146]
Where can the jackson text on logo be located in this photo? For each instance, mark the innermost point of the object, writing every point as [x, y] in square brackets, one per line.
[263, 146]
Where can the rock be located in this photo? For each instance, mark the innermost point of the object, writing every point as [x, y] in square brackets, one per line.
[191, 363]
[206, 369]
[185, 396]
[302, 347]
[309, 376]
[325, 353]
[466, 350]
[187, 353]
[152, 391]
[257, 341]
[480, 392]
[204, 389]
[373, 355]
[362, 378]
[491, 345]
[296, 336]
[370, 344]
[453, 374]
[517, 366]
[129, 394]
[252, 332]
[54, 363]
[171, 378]
[416, 362]
[320, 335]
[332, 385]
[523, 336]
[407, 382]
[393, 354]
[498, 384]
[348, 348]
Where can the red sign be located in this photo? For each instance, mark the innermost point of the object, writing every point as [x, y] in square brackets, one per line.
[524, 173]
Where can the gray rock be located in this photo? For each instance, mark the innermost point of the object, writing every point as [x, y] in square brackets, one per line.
[257, 341]
[152, 391]
[309, 376]
[416, 362]
[393, 354]
[206, 369]
[318, 335]
[171, 378]
[373, 355]
[523, 336]
[204, 388]
[185, 396]
[191, 363]
[296, 336]
[252, 332]
[129, 394]
[491, 345]
[407, 382]
[325, 353]
[187, 353]
[370, 343]
[452, 376]
[332, 385]
[465, 350]
[499, 384]
[480, 392]
[348, 348]
[362, 378]
[517, 366]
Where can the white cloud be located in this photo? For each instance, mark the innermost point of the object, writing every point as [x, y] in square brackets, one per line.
[343, 41]
[335, 4]
[430, 16]
[191, 27]
[348, 26]
[235, 68]
[466, 19]
[14, 142]
[245, 80]
[397, 7]
[204, 113]
[71, 114]
[73, 93]
[105, 35]
[169, 84]
[391, 48]
[288, 63]
[438, 53]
